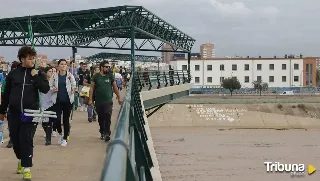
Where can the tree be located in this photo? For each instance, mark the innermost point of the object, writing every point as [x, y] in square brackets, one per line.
[259, 85]
[231, 84]
[318, 76]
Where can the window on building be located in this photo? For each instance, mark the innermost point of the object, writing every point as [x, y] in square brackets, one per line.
[197, 79]
[284, 66]
[246, 78]
[197, 67]
[296, 78]
[234, 66]
[209, 67]
[246, 67]
[184, 67]
[259, 66]
[259, 78]
[296, 66]
[221, 79]
[271, 66]
[221, 67]
[284, 78]
[271, 78]
[209, 79]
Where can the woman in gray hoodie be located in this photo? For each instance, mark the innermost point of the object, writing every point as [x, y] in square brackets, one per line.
[47, 104]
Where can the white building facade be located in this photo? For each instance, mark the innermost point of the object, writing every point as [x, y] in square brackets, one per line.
[276, 72]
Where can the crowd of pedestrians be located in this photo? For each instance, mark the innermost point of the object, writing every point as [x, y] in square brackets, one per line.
[61, 88]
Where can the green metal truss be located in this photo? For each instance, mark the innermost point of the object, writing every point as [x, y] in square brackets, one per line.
[122, 57]
[103, 27]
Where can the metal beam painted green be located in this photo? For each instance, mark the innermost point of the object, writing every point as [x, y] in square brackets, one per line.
[122, 57]
[103, 26]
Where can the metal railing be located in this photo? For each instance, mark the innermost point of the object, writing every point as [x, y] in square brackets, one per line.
[128, 157]
[148, 80]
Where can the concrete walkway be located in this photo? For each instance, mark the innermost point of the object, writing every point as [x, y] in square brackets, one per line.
[81, 160]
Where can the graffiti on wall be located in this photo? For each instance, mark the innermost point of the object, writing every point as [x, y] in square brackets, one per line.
[212, 113]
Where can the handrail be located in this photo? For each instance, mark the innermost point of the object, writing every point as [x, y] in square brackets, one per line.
[128, 156]
[117, 152]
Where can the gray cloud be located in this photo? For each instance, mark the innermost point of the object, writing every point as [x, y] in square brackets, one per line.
[243, 27]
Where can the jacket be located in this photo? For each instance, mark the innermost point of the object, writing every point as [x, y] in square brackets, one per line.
[70, 85]
[21, 91]
[83, 75]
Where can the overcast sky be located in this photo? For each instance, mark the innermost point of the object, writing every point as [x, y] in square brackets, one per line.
[242, 27]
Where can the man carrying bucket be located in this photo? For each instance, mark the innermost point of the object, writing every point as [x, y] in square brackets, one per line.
[21, 92]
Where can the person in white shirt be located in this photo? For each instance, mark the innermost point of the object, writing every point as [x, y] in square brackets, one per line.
[118, 79]
[63, 85]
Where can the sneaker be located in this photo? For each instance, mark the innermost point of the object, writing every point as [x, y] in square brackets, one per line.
[64, 143]
[27, 175]
[60, 139]
[54, 134]
[20, 169]
[90, 120]
[10, 144]
[107, 138]
[102, 136]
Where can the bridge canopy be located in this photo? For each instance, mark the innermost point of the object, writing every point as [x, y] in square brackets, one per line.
[96, 28]
[122, 57]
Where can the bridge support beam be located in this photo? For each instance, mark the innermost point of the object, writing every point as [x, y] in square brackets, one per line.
[156, 97]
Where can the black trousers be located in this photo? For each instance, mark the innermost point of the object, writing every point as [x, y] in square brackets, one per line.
[21, 134]
[51, 125]
[104, 112]
[63, 110]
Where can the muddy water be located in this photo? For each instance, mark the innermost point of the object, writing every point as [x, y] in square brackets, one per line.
[208, 154]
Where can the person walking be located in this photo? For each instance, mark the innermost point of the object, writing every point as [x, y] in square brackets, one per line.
[118, 79]
[21, 92]
[64, 87]
[14, 65]
[102, 86]
[83, 74]
[91, 108]
[47, 104]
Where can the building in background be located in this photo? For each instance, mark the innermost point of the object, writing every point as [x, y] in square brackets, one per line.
[207, 50]
[166, 56]
[277, 72]
[318, 63]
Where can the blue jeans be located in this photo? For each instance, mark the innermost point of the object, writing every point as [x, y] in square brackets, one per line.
[91, 113]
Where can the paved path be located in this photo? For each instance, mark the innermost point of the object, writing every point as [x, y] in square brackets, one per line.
[81, 160]
[207, 154]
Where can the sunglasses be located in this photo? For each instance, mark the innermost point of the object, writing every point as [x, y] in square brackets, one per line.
[106, 67]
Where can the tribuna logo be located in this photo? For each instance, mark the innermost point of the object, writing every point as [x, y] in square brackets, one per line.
[293, 169]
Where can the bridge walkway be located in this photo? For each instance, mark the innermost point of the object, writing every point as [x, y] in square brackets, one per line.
[81, 160]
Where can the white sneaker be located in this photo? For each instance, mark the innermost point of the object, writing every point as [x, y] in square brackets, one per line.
[60, 139]
[64, 143]
[44, 136]
[54, 134]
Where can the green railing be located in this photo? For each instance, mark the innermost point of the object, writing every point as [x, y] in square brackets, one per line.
[128, 157]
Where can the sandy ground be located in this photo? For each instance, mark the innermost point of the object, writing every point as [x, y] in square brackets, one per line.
[82, 160]
[208, 154]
